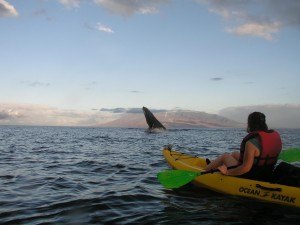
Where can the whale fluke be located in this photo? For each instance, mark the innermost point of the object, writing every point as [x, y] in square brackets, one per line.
[152, 122]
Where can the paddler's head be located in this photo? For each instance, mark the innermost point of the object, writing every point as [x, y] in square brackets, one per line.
[257, 122]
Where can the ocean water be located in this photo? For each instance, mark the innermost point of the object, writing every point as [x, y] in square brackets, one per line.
[64, 175]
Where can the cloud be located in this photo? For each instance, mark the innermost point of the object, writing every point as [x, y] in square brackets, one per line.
[136, 92]
[104, 28]
[7, 10]
[122, 7]
[130, 110]
[216, 78]
[114, 110]
[4, 115]
[158, 110]
[130, 7]
[35, 83]
[90, 85]
[88, 26]
[70, 3]
[262, 19]
[148, 10]
[265, 31]
[134, 110]
[278, 116]
[8, 114]
[30, 114]
[40, 12]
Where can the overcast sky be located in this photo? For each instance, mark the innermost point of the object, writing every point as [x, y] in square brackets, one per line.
[203, 55]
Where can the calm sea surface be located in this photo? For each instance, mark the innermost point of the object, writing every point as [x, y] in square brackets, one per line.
[61, 175]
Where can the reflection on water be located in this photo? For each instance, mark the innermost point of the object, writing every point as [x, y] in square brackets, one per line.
[59, 175]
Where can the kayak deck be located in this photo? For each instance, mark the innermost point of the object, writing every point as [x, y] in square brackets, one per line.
[275, 193]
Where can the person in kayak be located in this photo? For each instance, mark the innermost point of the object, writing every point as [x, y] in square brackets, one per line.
[258, 153]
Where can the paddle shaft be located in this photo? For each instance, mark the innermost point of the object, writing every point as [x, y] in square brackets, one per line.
[217, 170]
[177, 178]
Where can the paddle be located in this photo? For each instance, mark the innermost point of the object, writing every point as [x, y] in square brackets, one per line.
[177, 178]
[290, 155]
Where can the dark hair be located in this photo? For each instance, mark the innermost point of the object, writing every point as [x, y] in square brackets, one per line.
[257, 122]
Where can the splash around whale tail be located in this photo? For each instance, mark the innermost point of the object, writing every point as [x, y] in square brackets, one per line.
[152, 122]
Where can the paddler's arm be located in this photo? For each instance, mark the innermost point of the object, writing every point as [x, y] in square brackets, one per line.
[250, 152]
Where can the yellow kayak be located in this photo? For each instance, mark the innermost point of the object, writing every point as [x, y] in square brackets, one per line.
[275, 193]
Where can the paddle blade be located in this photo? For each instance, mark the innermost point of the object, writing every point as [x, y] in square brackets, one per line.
[176, 178]
[290, 155]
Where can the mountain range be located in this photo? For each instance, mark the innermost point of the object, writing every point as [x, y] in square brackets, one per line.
[175, 119]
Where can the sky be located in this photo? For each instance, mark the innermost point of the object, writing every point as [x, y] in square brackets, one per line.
[79, 56]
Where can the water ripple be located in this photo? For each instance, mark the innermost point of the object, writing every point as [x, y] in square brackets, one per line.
[61, 175]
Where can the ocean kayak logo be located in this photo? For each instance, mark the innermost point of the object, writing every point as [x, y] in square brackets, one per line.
[267, 194]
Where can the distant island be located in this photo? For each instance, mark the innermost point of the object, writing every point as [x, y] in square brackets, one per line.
[278, 116]
[175, 119]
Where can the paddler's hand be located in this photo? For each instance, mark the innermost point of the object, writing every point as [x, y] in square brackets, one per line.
[223, 169]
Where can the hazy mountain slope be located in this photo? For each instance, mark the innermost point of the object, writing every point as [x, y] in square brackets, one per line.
[175, 119]
[277, 116]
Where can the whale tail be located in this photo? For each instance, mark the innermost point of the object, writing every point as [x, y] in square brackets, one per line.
[152, 122]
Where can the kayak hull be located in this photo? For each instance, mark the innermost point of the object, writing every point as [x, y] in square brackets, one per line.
[265, 191]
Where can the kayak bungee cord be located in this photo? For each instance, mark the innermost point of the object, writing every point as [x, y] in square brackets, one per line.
[181, 155]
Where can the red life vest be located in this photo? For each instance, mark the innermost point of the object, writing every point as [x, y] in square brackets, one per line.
[271, 146]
